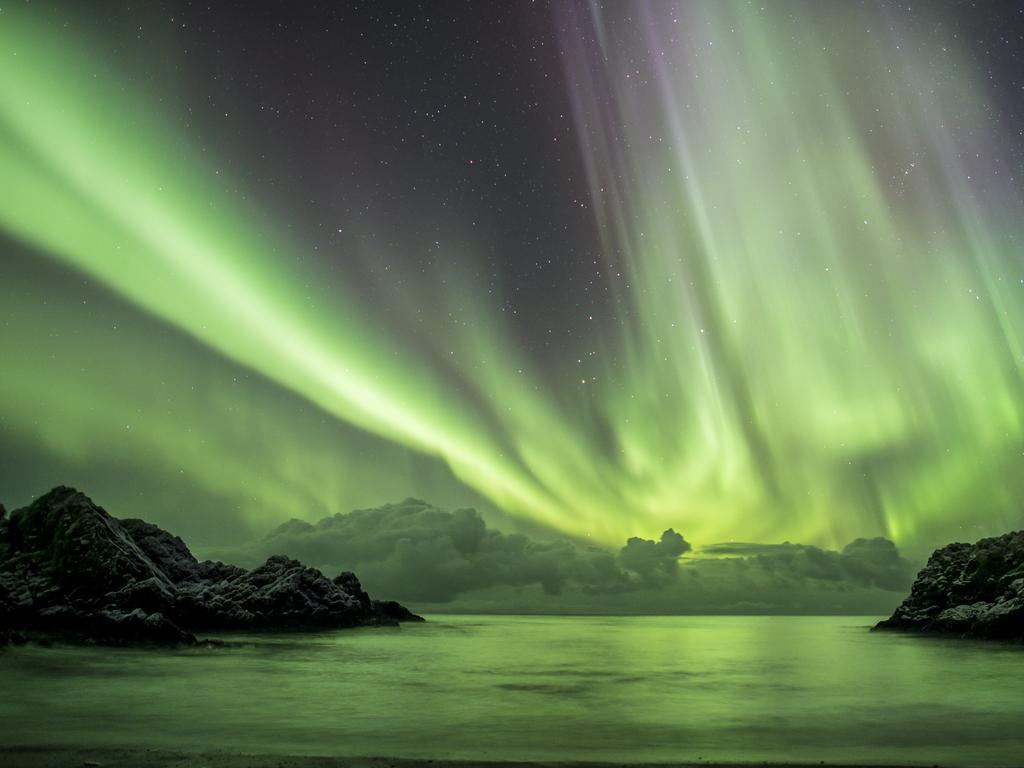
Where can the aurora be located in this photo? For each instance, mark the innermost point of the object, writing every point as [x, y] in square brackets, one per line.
[809, 323]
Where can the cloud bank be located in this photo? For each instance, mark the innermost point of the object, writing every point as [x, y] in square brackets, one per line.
[416, 552]
[863, 562]
[426, 553]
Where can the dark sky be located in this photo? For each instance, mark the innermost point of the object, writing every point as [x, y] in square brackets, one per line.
[749, 269]
[449, 117]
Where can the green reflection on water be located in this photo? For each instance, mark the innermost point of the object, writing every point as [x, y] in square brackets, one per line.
[635, 689]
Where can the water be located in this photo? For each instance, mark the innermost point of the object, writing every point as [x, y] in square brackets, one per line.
[637, 689]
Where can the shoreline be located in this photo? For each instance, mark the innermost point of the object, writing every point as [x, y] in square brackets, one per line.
[129, 757]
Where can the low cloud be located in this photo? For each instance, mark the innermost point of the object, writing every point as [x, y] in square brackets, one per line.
[863, 562]
[415, 552]
[654, 562]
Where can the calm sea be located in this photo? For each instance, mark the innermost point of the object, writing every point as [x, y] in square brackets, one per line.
[651, 689]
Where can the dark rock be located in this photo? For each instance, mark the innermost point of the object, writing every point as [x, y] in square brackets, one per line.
[135, 627]
[388, 611]
[165, 550]
[216, 571]
[66, 566]
[350, 583]
[12, 638]
[77, 547]
[152, 595]
[971, 590]
[281, 593]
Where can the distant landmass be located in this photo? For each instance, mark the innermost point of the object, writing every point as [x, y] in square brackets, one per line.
[972, 590]
[70, 568]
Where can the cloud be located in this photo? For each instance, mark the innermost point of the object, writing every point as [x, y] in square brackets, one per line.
[654, 562]
[863, 562]
[415, 552]
[747, 549]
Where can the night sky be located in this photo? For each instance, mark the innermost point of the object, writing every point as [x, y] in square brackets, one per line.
[753, 270]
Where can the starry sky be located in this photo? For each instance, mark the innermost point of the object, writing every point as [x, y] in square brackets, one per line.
[752, 270]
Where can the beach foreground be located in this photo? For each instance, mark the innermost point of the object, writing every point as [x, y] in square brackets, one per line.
[46, 757]
[582, 690]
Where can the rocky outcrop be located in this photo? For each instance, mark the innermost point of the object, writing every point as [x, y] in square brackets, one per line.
[388, 611]
[971, 590]
[67, 566]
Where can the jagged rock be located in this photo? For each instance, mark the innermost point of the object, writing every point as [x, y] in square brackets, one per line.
[280, 593]
[67, 566]
[164, 549]
[77, 546]
[350, 583]
[390, 611]
[972, 590]
[152, 595]
[135, 626]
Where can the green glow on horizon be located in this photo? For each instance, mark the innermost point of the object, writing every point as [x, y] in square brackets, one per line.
[825, 311]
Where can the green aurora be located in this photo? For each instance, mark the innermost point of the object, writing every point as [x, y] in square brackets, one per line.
[821, 285]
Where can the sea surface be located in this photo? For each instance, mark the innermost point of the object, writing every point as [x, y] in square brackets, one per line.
[636, 689]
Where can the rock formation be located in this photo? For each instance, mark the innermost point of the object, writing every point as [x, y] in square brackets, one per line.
[68, 567]
[971, 590]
